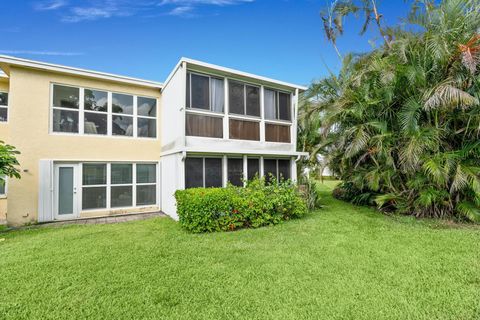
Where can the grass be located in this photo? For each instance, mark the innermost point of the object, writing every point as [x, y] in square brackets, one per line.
[341, 262]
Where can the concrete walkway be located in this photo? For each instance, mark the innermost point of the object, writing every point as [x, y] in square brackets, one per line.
[105, 220]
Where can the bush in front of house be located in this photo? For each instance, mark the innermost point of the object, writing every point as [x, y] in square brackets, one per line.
[228, 209]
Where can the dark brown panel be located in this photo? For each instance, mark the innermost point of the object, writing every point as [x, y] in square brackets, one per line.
[244, 130]
[204, 126]
[277, 133]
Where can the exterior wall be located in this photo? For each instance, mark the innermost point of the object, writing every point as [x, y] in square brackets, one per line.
[29, 120]
[4, 136]
[173, 115]
[173, 178]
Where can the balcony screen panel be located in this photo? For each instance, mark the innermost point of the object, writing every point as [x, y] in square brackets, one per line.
[253, 101]
[284, 169]
[122, 103]
[253, 168]
[269, 169]
[236, 97]
[217, 95]
[244, 130]
[284, 106]
[200, 89]
[235, 172]
[95, 123]
[146, 107]
[96, 100]
[66, 97]
[65, 121]
[204, 126]
[213, 172]
[270, 104]
[277, 133]
[193, 173]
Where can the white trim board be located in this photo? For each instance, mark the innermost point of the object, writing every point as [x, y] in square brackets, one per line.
[5, 61]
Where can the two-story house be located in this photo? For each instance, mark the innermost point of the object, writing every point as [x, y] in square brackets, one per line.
[95, 144]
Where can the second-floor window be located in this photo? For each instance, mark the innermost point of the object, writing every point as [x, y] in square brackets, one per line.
[243, 99]
[277, 105]
[3, 107]
[205, 93]
[97, 112]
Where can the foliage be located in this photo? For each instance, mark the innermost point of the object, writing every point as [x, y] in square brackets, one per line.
[401, 124]
[8, 162]
[346, 263]
[309, 190]
[227, 209]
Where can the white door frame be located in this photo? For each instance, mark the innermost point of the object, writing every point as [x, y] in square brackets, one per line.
[76, 171]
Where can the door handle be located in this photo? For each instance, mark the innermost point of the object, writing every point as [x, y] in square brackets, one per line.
[74, 190]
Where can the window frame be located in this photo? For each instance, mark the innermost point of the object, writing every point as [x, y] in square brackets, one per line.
[109, 186]
[203, 157]
[81, 113]
[277, 119]
[188, 100]
[277, 174]
[245, 84]
[6, 107]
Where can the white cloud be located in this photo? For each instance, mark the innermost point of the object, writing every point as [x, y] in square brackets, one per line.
[182, 11]
[50, 5]
[203, 2]
[41, 53]
[103, 9]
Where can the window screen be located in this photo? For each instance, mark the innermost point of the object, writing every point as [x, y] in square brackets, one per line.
[253, 168]
[213, 172]
[235, 172]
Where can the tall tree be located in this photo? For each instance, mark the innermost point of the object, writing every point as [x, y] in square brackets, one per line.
[401, 124]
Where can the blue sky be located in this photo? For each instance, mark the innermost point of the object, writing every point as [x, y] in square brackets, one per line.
[282, 39]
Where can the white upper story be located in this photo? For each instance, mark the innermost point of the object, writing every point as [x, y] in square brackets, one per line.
[208, 108]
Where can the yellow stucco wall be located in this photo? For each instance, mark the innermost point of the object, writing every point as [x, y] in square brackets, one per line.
[3, 137]
[29, 133]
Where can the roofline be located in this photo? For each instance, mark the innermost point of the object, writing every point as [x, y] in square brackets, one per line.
[77, 71]
[232, 71]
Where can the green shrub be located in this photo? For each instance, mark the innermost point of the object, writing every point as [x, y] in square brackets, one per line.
[231, 208]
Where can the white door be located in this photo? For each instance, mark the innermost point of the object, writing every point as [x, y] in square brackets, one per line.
[66, 201]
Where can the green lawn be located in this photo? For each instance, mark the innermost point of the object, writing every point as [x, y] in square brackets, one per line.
[341, 262]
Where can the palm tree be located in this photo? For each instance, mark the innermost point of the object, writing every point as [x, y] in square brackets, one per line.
[401, 125]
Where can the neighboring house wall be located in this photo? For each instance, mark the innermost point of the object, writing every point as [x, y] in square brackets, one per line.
[30, 94]
[4, 136]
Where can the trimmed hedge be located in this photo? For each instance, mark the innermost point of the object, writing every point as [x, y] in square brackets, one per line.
[231, 208]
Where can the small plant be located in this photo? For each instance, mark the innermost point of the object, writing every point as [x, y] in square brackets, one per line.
[228, 209]
[310, 193]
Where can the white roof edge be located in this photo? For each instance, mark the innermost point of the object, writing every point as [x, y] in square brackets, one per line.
[78, 71]
[240, 73]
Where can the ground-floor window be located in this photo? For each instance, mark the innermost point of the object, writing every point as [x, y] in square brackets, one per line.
[118, 185]
[207, 171]
[277, 168]
[203, 172]
[235, 171]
